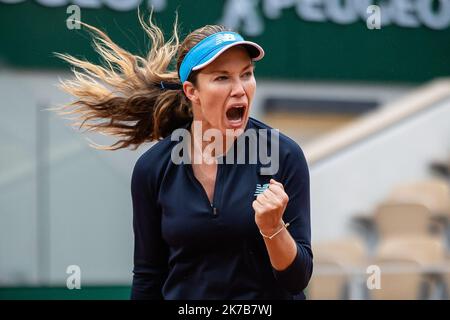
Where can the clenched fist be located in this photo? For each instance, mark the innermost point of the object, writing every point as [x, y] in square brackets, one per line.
[269, 208]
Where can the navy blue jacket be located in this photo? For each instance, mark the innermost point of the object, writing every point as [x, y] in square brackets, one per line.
[188, 248]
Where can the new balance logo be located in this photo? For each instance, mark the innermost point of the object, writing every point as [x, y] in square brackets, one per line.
[225, 37]
[260, 188]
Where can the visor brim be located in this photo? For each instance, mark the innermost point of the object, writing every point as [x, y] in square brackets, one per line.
[255, 51]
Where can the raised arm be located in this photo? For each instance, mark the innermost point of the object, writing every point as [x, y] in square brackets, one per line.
[290, 248]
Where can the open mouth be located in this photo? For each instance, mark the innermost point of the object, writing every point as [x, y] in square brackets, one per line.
[235, 114]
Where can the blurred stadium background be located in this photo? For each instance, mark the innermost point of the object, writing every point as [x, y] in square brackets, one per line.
[369, 107]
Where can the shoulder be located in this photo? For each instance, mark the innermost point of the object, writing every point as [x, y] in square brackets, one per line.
[150, 165]
[157, 152]
[288, 148]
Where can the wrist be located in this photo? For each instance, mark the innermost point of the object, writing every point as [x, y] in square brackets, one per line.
[271, 229]
[272, 232]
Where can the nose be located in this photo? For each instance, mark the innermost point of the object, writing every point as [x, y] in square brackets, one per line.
[237, 89]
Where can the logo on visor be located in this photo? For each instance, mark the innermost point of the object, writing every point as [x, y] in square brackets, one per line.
[225, 37]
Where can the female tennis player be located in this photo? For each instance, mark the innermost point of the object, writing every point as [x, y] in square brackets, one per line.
[203, 229]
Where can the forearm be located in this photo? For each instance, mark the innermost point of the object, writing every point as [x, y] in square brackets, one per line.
[147, 286]
[289, 250]
[282, 249]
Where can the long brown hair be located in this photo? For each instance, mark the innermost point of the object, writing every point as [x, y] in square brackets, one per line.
[122, 96]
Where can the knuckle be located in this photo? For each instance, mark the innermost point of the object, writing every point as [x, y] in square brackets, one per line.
[278, 203]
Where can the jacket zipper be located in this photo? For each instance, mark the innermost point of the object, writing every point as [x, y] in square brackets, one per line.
[213, 207]
[216, 188]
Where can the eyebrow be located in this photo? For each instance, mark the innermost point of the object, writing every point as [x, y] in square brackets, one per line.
[226, 72]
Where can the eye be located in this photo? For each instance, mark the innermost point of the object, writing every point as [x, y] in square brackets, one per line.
[248, 74]
[221, 78]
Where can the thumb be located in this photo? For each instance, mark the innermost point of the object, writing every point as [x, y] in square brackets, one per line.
[273, 181]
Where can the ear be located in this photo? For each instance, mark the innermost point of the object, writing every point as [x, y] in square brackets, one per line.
[191, 92]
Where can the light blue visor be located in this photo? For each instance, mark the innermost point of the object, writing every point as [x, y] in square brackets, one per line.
[207, 50]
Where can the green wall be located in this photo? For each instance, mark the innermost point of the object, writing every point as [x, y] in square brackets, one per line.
[296, 49]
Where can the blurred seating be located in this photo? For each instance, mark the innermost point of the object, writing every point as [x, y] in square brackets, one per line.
[328, 281]
[428, 251]
[410, 267]
[402, 219]
[446, 280]
[334, 263]
[404, 202]
[432, 193]
[400, 280]
[442, 168]
[405, 236]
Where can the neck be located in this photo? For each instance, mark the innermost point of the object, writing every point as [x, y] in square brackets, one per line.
[209, 144]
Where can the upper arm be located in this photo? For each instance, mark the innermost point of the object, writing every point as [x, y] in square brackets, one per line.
[295, 177]
[150, 250]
